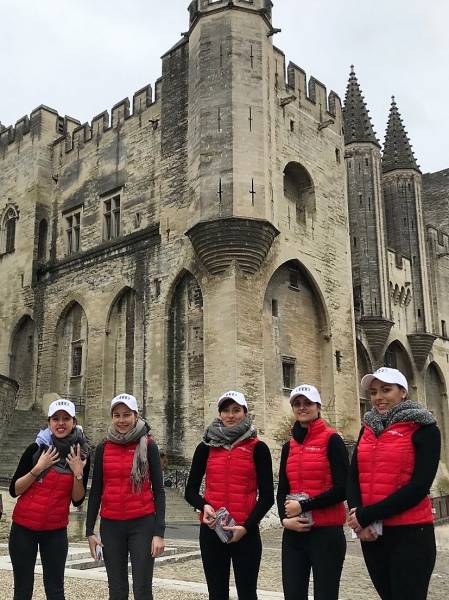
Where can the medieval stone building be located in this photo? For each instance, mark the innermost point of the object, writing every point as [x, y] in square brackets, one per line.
[198, 238]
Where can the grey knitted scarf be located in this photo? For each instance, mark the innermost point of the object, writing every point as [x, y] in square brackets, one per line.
[406, 411]
[140, 471]
[219, 436]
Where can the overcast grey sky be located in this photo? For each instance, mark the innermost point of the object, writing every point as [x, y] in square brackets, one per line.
[82, 56]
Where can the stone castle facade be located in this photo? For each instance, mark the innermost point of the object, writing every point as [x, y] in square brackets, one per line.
[199, 238]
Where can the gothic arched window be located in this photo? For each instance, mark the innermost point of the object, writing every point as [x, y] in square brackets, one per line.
[8, 231]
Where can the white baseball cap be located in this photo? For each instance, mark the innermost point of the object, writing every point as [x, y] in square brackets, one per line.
[309, 391]
[235, 396]
[126, 399]
[61, 404]
[387, 375]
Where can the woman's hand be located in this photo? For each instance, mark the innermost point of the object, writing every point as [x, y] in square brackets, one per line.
[46, 460]
[209, 516]
[292, 508]
[298, 524]
[94, 541]
[238, 531]
[353, 522]
[75, 460]
[157, 546]
[368, 534]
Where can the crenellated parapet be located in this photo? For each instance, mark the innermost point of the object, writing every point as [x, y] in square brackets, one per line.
[198, 8]
[121, 112]
[43, 123]
[311, 95]
[439, 241]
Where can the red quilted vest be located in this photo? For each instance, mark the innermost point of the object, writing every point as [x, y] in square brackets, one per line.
[46, 503]
[386, 464]
[231, 479]
[308, 471]
[118, 502]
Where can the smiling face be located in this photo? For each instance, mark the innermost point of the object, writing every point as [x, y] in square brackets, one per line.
[305, 410]
[231, 413]
[61, 424]
[123, 418]
[385, 396]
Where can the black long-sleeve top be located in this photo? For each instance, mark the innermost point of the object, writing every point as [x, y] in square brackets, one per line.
[157, 486]
[264, 477]
[427, 442]
[28, 461]
[339, 465]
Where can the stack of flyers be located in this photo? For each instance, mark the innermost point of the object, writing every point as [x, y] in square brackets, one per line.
[223, 519]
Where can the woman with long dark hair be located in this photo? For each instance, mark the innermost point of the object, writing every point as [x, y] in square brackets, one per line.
[239, 478]
[52, 472]
[392, 470]
[127, 489]
[311, 492]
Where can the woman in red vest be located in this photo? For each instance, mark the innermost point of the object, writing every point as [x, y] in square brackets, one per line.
[51, 473]
[239, 478]
[311, 493]
[392, 470]
[127, 489]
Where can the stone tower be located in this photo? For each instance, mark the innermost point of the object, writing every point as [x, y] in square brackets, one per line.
[402, 185]
[366, 220]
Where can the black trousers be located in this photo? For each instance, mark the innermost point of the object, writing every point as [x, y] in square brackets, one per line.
[217, 556]
[321, 549]
[53, 547]
[400, 562]
[132, 537]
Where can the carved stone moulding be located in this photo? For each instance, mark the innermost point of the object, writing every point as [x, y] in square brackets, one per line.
[421, 344]
[376, 330]
[247, 241]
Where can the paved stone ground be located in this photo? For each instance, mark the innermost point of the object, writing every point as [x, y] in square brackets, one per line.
[185, 580]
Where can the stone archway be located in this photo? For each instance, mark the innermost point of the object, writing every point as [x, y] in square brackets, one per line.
[437, 403]
[69, 376]
[299, 190]
[294, 338]
[184, 409]
[22, 361]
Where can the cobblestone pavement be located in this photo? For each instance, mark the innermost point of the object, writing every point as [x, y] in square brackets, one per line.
[356, 584]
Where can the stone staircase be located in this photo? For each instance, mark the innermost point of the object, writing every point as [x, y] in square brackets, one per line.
[21, 432]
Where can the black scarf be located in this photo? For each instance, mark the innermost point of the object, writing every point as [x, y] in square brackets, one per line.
[405, 411]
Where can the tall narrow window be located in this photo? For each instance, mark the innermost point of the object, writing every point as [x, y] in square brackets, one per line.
[73, 232]
[443, 329]
[111, 218]
[288, 372]
[10, 231]
[42, 240]
[77, 359]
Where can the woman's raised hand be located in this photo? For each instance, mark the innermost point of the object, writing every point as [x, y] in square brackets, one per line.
[46, 460]
[75, 461]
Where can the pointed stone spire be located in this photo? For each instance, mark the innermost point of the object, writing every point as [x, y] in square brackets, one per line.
[357, 122]
[398, 153]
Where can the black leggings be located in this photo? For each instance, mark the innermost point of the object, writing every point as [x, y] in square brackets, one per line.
[53, 547]
[217, 556]
[119, 539]
[400, 562]
[321, 549]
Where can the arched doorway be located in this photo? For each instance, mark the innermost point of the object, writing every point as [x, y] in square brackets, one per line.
[123, 345]
[299, 191]
[69, 378]
[436, 402]
[294, 338]
[397, 357]
[22, 361]
[184, 409]
[363, 367]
